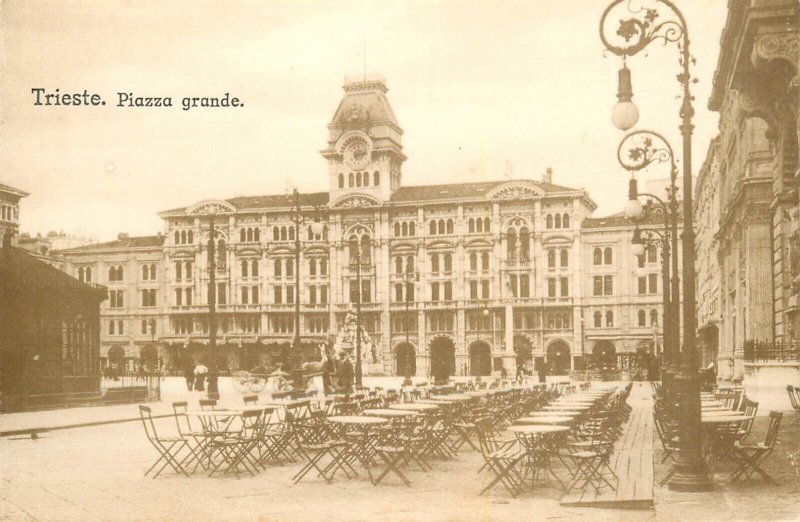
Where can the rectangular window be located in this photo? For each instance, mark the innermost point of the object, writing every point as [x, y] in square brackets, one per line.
[111, 328]
[277, 296]
[188, 297]
[652, 281]
[254, 295]
[524, 286]
[366, 294]
[598, 285]
[245, 295]
[512, 285]
[434, 291]
[222, 298]
[290, 294]
[642, 285]
[323, 294]
[473, 289]
[564, 287]
[551, 287]
[448, 291]
[485, 289]
[608, 285]
[353, 291]
[312, 295]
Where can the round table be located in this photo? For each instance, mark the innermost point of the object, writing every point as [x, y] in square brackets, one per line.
[722, 419]
[554, 414]
[721, 413]
[436, 402]
[413, 406]
[483, 393]
[383, 412]
[356, 419]
[536, 429]
[543, 420]
[451, 398]
[567, 407]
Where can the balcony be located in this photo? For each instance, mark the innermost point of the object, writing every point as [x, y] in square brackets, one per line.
[557, 301]
[758, 351]
[441, 305]
[518, 263]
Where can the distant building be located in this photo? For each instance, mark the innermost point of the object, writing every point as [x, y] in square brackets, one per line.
[469, 277]
[9, 210]
[42, 247]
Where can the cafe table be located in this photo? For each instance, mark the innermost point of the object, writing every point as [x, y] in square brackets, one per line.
[721, 413]
[554, 414]
[540, 443]
[385, 412]
[357, 431]
[571, 406]
[414, 406]
[544, 420]
[436, 402]
[718, 438]
[454, 397]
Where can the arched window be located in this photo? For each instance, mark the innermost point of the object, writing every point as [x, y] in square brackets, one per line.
[473, 261]
[412, 229]
[609, 319]
[557, 223]
[190, 237]
[187, 270]
[440, 226]
[277, 267]
[433, 228]
[80, 274]
[376, 178]
[366, 251]
[511, 244]
[177, 237]
[487, 225]
[565, 221]
[257, 235]
[524, 243]
[608, 256]
[358, 179]
[250, 234]
[471, 225]
[642, 318]
[598, 319]
[551, 258]
[290, 267]
[353, 249]
[485, 261]
[312, 267]
[597, 256]
[242, 234]
[564, 258]
[276, 234]
[410, 264]
[435, 263]
[398, 265]
[145, 272]
[549, 221]
[448, 263]
[183, 237]
[244, 268]
[341, 180]
[283, 234]
[323, 266]
[291, 233]
[651, 253]
[450, 226]
[397, 230]
[350, 180]
[222, 254]
[254, 268]
[654, 317]
[112, 273]
[404, 229]
[366, 179]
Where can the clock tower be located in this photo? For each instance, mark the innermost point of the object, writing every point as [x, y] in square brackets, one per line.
[364, 149]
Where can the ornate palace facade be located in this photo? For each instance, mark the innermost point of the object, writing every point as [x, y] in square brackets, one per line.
[475, 276]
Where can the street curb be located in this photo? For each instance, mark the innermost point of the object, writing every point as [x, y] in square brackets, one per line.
[29, 431]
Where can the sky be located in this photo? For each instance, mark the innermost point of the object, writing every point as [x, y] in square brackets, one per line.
[483, 90]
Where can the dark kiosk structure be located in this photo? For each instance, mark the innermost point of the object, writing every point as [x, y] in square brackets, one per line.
[49, 333]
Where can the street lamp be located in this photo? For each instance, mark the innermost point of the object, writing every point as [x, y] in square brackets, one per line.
[637, 151]
[410, 277]
[356, 254]
[637, 28]
[317, 228]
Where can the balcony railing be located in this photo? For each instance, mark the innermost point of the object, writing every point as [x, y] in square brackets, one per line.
[756, 351]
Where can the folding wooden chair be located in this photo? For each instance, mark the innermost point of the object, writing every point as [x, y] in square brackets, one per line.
[794, 399]
[250, 400]
[393, 448]
[751, 458]
[501, 457]
[169, 448]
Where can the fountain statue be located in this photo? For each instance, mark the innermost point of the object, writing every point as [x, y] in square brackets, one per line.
[346, 340]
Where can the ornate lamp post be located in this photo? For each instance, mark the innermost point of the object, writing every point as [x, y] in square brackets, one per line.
[637, 151]
[637, 27]
[317, 228]
[410, 277]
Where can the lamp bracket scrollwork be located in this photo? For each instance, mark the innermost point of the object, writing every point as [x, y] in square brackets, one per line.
[639, 149]
[640, 23]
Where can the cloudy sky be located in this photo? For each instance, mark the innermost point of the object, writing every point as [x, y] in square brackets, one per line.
[482, 90]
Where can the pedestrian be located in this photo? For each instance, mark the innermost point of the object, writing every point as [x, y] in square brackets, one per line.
[345, 373]
[200, 372]
[520, 375]
[541, 371]
[188, 373]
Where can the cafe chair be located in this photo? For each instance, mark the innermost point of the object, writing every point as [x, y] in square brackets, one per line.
[170, 449]
[751, 457]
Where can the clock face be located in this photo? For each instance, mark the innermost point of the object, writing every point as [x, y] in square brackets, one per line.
[357, 154]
